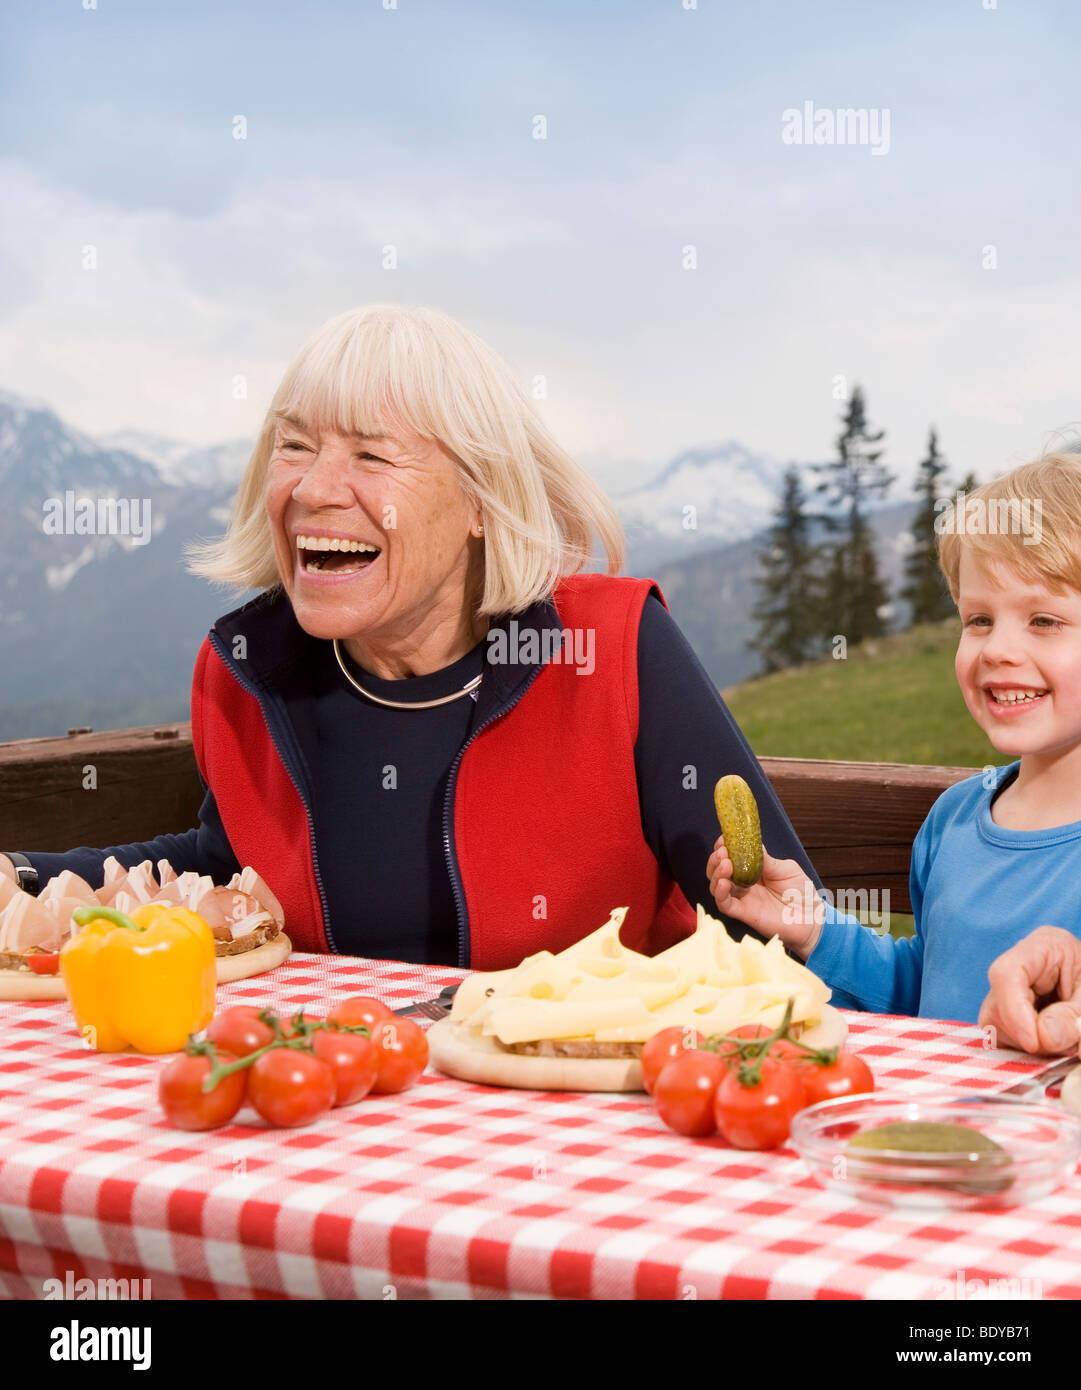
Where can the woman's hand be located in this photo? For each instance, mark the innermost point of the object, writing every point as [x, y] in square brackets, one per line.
[784, 901]
[1035, 998]
[7, 869]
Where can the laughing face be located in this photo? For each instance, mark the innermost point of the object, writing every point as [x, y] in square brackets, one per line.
[1019, 660]
[376, 545]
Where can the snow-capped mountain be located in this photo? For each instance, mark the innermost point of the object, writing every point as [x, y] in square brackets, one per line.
[182, 464]
[40, 455]
[99, 621]
[703, 498]
[100, 627]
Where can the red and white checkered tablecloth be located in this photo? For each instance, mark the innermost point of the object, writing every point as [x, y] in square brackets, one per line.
[453, 1190]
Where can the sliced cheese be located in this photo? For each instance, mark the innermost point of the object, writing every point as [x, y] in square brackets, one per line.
[601, 953]
[531, 1020]
[753, 961]
[700, 1007]
[654, 989]
[783, 967]
[553, 978]
[470, 994]
[599, 989]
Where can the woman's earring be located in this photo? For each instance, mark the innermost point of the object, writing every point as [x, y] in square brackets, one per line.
[480, 529]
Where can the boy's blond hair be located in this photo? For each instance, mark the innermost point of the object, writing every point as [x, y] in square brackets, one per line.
[1047, 492]
[368, 370]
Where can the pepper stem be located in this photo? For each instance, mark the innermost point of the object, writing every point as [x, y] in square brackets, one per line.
[82, 915]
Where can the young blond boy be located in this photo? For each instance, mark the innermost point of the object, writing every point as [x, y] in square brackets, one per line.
[999, 853]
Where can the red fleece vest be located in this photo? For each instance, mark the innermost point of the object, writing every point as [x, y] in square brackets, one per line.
[547, 826]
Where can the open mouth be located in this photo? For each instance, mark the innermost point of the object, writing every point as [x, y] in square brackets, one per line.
[334, 555]
[1004, 698]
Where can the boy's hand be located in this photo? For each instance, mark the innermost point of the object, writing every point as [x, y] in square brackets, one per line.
[1035, 999]
[784, 902]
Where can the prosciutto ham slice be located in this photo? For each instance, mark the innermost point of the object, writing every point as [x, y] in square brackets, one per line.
[241, 915]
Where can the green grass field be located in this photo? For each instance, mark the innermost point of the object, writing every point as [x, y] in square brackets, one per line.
[894, 700]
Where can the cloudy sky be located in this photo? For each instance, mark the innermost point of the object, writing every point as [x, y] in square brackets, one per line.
[943, 272]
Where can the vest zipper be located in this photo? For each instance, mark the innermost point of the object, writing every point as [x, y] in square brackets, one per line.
[271, 716]
[452, 859]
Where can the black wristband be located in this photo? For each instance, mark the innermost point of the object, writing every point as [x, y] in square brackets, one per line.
[27, 874]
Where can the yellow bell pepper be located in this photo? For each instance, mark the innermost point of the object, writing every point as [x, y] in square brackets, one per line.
[145, 981]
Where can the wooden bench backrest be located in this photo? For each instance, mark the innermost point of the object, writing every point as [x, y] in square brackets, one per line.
[856, 820]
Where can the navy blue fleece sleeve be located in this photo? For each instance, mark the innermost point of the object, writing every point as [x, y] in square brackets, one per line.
[205, 849]
[687, 739]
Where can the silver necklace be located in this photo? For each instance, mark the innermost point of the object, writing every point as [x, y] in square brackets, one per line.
[405, 704]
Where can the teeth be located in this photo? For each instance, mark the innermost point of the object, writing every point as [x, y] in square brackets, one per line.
[1015, 697]
[334, 543]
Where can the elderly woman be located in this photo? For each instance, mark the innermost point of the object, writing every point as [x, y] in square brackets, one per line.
[433, 737]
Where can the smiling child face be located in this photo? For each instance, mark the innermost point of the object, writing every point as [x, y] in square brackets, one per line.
[1019, 660]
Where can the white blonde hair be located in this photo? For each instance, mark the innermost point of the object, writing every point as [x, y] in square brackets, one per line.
[370, 371]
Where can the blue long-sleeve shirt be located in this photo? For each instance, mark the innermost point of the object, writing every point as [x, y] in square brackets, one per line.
[977, 889]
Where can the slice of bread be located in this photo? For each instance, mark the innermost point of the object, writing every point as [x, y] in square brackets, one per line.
[574, 1047]
[236, 946]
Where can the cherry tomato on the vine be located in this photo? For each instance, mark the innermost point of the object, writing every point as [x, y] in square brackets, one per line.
[780, 1050]
[759, 1116]
[788, 1053]
[664, 1047]
[240, 1030]
[290, 1087]
[290, 1026]
[181, 1094]
[402, 1048]
[750, 1032]
[684, 1092]
[849, 1075]
[353, 1059]
[359, 1009]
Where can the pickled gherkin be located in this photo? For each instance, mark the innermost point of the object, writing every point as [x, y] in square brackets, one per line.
[737, 812]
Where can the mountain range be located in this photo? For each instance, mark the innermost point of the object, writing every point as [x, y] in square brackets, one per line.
[101, 629]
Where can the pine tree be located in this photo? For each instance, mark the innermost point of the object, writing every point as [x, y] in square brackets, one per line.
[925, 588]
[786, 611]
[855, 596]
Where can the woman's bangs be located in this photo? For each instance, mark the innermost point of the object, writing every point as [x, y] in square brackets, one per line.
[353, 386]
[339, 402]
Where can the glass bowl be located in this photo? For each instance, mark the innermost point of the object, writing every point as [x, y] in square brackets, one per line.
[1038, 1147]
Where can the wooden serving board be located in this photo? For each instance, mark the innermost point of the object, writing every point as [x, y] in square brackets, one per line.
[23, 984]
[257, 962]
[471, 1057]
